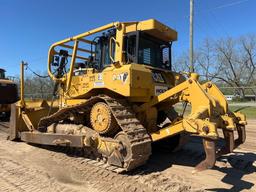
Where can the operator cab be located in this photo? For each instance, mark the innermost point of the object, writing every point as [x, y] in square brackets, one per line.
[139, 47]
[147, 43]
[145, 49]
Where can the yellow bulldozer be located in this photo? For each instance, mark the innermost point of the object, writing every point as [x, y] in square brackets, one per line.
[115, 93]
[8, 95]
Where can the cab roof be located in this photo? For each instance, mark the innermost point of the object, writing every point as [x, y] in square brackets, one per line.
[154, 28]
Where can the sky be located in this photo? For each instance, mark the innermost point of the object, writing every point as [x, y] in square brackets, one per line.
[29, 27]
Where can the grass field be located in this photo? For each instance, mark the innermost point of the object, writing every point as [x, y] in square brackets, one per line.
[249, 111]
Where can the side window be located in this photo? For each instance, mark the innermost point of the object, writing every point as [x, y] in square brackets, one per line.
[131, 49]
[149, 52]
[166, 64]
[145, 54]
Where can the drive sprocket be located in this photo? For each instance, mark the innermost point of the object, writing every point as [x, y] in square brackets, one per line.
[102, 119]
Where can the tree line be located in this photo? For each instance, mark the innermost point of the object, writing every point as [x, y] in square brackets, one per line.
[37, 87]
[228, 61]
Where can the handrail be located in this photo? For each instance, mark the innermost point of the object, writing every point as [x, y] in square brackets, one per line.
[70, 73]
[79, 49]
[110, 48]
[79, 37]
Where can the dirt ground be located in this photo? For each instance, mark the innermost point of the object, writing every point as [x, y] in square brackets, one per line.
[26, 167]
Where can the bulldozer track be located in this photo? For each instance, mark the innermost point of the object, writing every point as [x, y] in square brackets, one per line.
[17, 176]
[102, 176]
[91, 172]
[184, 154]
[138, 180]
[141, 179]
[154, 181]
[130, 125]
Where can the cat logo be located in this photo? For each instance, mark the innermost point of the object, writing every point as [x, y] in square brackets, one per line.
[158, 78]
[121, 77]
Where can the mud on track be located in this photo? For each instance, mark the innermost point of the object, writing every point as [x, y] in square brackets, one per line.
[25, 167]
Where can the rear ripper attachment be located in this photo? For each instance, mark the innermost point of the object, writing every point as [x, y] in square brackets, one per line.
[209, 112]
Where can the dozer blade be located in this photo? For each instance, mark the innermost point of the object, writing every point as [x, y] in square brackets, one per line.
[210, 159]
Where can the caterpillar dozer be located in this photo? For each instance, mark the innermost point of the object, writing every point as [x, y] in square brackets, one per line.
[114, 96]
[8, 94]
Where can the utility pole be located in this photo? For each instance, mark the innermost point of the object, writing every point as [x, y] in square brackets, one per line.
[191, 28]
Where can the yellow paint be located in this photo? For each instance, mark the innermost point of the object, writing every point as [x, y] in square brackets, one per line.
[168, 131]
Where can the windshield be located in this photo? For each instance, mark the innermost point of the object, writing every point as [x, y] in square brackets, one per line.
[150, 51]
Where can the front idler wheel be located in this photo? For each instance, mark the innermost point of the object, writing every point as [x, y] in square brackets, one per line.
[126, 151]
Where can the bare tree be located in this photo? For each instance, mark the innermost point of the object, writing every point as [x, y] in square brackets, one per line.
[237, 60]
[38, 87]
[181, 62]
[228, 61]
[207, 65]
[249, 57]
